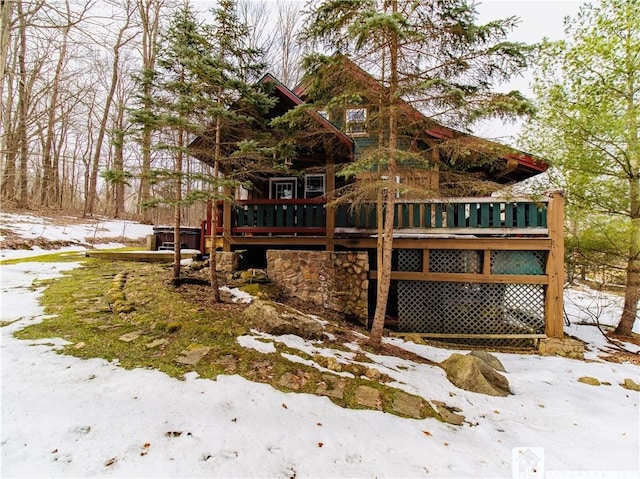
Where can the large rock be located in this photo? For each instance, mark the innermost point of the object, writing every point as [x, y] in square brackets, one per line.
[490, 359]
[473, 374]
[276, 318]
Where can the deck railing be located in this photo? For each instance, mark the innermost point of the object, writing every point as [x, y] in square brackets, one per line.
[300, 216]
[456, 215]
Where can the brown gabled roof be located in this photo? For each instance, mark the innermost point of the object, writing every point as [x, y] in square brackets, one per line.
[294, 100]
[518, 165]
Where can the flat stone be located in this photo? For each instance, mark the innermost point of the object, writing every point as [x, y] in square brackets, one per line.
[79, 345]
[333, 364]
[589, 380]
[292, 381]
[331, 386]
[193, 354]
[407, 405]
[414, 338]
[229, 363]
[108, 327]
[132, 336]
[156, 343]
[448, 415]
[368, 397]
[373, 374]
[630, 384]
[262, 368]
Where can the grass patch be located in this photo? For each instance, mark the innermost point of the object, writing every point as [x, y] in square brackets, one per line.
[133, 313]
[60, 256]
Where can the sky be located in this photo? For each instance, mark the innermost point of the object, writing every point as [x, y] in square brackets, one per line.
[538, 20]
[63, 416]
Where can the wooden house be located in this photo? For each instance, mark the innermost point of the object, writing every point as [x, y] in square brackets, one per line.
[476, 267]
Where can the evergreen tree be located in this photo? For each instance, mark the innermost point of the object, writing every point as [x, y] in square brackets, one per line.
[203, 101]
[588, 90]
[430, 55]
[237, 102]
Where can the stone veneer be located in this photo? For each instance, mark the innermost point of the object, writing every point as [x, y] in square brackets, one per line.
[566, 347]
[227, 262]
[336, 280]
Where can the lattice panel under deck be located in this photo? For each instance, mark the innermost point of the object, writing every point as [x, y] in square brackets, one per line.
[470, 308]
[518, 262]
[455, 261]
[410, 260]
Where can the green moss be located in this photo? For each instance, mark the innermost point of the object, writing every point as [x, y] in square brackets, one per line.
[155, 323]
[259, 289]
[66, 257]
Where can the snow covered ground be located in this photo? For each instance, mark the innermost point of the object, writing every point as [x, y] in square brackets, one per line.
[67, 417]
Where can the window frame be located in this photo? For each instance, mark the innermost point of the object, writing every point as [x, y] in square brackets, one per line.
[349, 125]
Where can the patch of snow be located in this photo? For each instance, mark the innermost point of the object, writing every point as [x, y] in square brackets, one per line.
[252, 342]
[29, 226]
[68, 417]
[238, 295]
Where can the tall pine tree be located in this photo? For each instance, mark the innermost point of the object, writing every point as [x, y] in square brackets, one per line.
[431, 55]
[237, 102]
[203, 101]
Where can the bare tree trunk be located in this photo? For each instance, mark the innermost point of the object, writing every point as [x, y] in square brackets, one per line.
[8, 143]
[213, 276]
[7, 158]
[118, 162]
[632, 292]
[93, 180]
[6, 14]
[384, 270]
[47, 193]
[178, 209]
[23, 109]
[287, 26]
[149, 11]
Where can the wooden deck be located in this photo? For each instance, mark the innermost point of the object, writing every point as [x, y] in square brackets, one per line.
[488, 239]
[142, 256]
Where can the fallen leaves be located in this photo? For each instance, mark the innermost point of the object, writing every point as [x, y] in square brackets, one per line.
[145, 449]
[427, 433]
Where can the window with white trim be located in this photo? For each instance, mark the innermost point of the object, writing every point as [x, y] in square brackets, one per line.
[355, 121]
[314, 186]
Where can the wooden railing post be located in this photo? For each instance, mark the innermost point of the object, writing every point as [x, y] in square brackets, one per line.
[553, 304]
[226, 223]
[330, 217]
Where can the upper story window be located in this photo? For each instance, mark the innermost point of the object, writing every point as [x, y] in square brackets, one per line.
[355, 121]
[324, 114]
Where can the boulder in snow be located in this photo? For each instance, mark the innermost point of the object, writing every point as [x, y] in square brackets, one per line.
[473, 374]
[276, 318]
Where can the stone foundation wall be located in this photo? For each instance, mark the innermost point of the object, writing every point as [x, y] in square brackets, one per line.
[227, 262]
[566, 347]
[336, 280]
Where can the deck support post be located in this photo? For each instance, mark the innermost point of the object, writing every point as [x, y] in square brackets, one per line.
[553, 304]
[330, 218]
[226, 222]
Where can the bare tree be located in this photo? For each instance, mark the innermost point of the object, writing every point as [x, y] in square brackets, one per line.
[288, 50]
[149, 12]
[123, 37]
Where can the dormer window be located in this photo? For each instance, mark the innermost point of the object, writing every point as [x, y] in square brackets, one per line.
[356, 121]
